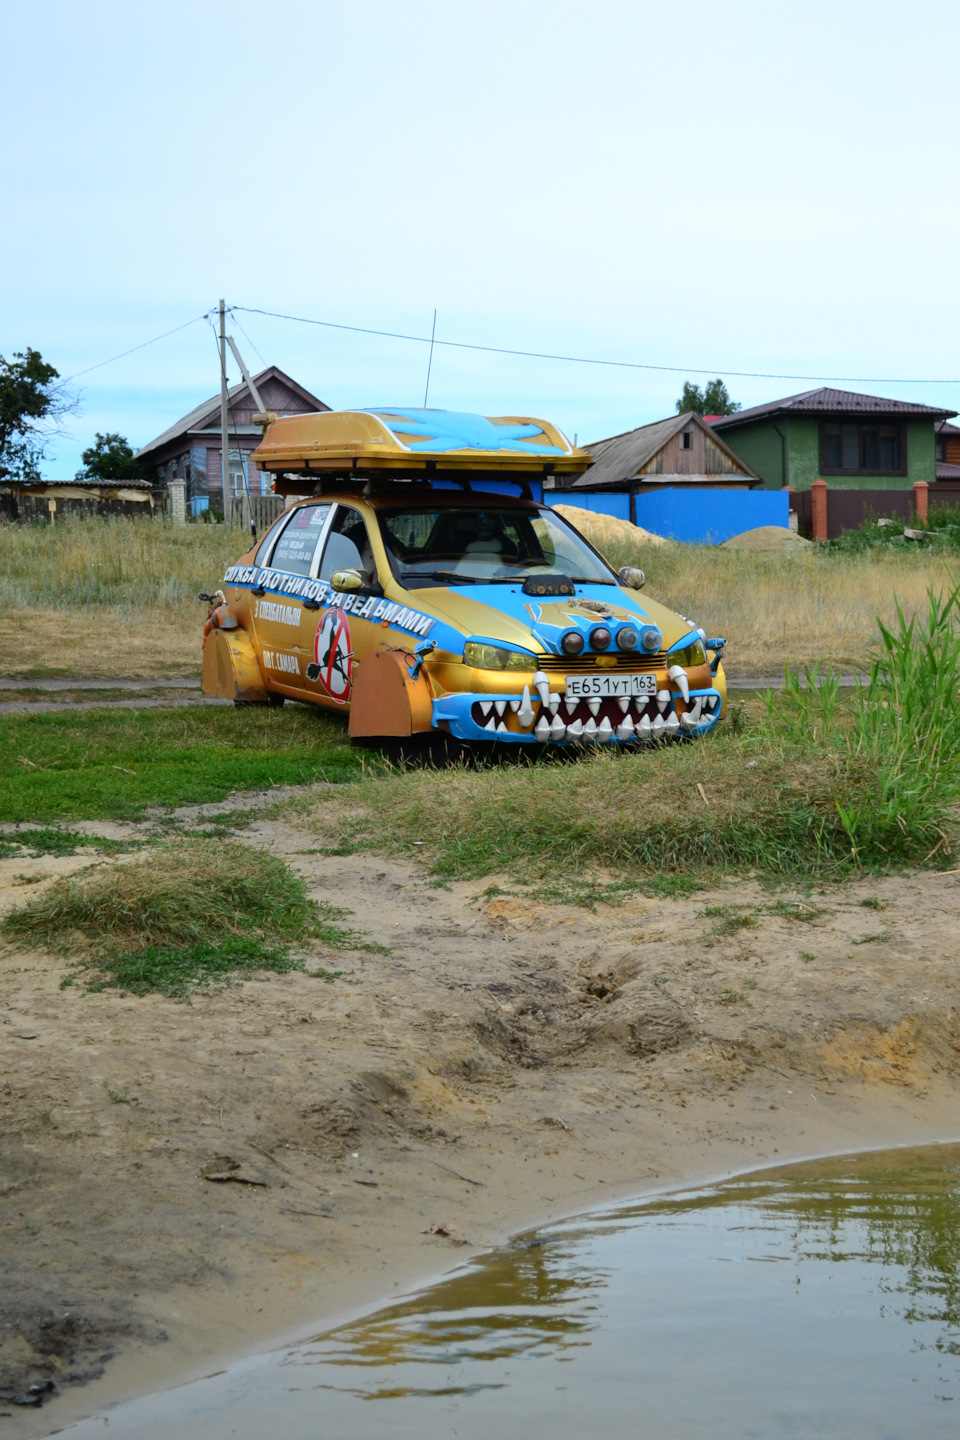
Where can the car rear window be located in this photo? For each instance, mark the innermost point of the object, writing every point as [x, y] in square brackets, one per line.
[297, 545]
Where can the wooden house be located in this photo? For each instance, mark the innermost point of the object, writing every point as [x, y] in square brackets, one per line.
[190, 449]
[681, 451]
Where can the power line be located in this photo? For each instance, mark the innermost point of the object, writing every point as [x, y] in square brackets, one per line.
[590, 360]
[233, 309]
[100, 363]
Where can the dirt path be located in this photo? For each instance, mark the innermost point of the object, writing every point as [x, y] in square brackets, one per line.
[180, 1183]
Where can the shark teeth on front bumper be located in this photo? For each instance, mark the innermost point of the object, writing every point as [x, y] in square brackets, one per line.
[550, 718]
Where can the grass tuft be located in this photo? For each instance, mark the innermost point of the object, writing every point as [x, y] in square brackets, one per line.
[50, 840]
[189, 915]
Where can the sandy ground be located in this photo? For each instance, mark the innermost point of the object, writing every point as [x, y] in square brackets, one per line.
[180, 1184]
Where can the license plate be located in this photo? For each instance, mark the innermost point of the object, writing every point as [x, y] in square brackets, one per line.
[609, 687]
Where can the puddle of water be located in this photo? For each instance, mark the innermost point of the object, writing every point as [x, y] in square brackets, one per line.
[817, 1300]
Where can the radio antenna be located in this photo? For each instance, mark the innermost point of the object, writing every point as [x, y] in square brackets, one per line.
[430, 361]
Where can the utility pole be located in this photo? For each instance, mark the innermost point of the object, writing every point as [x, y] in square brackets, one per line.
[224, 423]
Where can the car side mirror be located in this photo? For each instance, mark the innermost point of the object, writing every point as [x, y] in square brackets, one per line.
[346, 580]
[632, 577]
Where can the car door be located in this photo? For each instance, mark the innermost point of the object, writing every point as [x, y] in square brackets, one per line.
[278, 611]
[340, 635]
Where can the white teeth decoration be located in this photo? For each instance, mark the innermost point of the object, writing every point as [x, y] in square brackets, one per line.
[657, 726]
[514, 706]
[491, 724]
[570, 706]
[624, 704]
[557, 729]
[499, 706]
[542, 686]
[693, 714]
[672, 724]
[590, 729]
[542, 731]
[679, 677]
[711, 702]
[553, 704]
[502, 729]
[640, 705]
[525, 713]
[663, 700]
[593, 706]
[625, 728]
[643, 727]
[575, 730]
[685, 721]
[604, 729]
[485, 707]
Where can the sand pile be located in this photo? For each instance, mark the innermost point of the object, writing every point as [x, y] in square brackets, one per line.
[603, 530]
[773, 538]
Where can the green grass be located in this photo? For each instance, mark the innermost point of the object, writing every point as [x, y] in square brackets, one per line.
[115, 764]
[187, 915]
[588, 894]
[51, 840]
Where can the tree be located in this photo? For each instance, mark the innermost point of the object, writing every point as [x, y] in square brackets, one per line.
[713, 399]
[112, 459]
[30, 401]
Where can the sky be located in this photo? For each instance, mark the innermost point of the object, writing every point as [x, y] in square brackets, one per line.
[761, 188]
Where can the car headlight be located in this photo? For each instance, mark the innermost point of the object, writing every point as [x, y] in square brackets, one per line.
[693, 655]
[483, 656]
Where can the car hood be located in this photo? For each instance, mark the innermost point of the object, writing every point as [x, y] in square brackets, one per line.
[504, 613]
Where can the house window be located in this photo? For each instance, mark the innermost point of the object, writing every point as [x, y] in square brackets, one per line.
[852, 447]
[685, 440]
[238, 472]
[941, 448]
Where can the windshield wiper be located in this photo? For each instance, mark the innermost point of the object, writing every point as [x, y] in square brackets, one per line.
[449, 576]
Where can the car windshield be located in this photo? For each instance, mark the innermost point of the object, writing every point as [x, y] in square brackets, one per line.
[461, 546]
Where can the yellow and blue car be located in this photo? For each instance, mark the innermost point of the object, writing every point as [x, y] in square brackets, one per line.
[418, 583]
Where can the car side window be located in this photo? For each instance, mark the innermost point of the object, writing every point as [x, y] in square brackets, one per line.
[348, 546]
[297, 545]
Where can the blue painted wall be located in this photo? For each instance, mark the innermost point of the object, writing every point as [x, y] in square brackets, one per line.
[695, 516]
[490, 485]
[600, 502]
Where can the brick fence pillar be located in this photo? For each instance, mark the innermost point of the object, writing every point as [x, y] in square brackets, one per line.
[818, 509]
[921, 500]
[176, 489]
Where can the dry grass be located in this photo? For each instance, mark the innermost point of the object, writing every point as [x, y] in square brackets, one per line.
[815, 605]
[107, 597]
[115, 597]
[112, 642]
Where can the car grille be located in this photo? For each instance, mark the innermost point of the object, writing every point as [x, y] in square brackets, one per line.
[636, 662]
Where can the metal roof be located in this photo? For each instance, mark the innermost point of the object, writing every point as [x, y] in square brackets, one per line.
[826, 401]
[621, 456]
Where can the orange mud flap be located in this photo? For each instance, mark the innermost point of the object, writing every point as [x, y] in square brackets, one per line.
[387, 700]
[230, 667]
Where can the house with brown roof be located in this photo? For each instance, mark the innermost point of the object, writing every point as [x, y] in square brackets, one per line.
[850, 440]
[680, 451]
[191, 448]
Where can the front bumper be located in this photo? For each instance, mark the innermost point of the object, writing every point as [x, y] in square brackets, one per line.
[523, 719]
